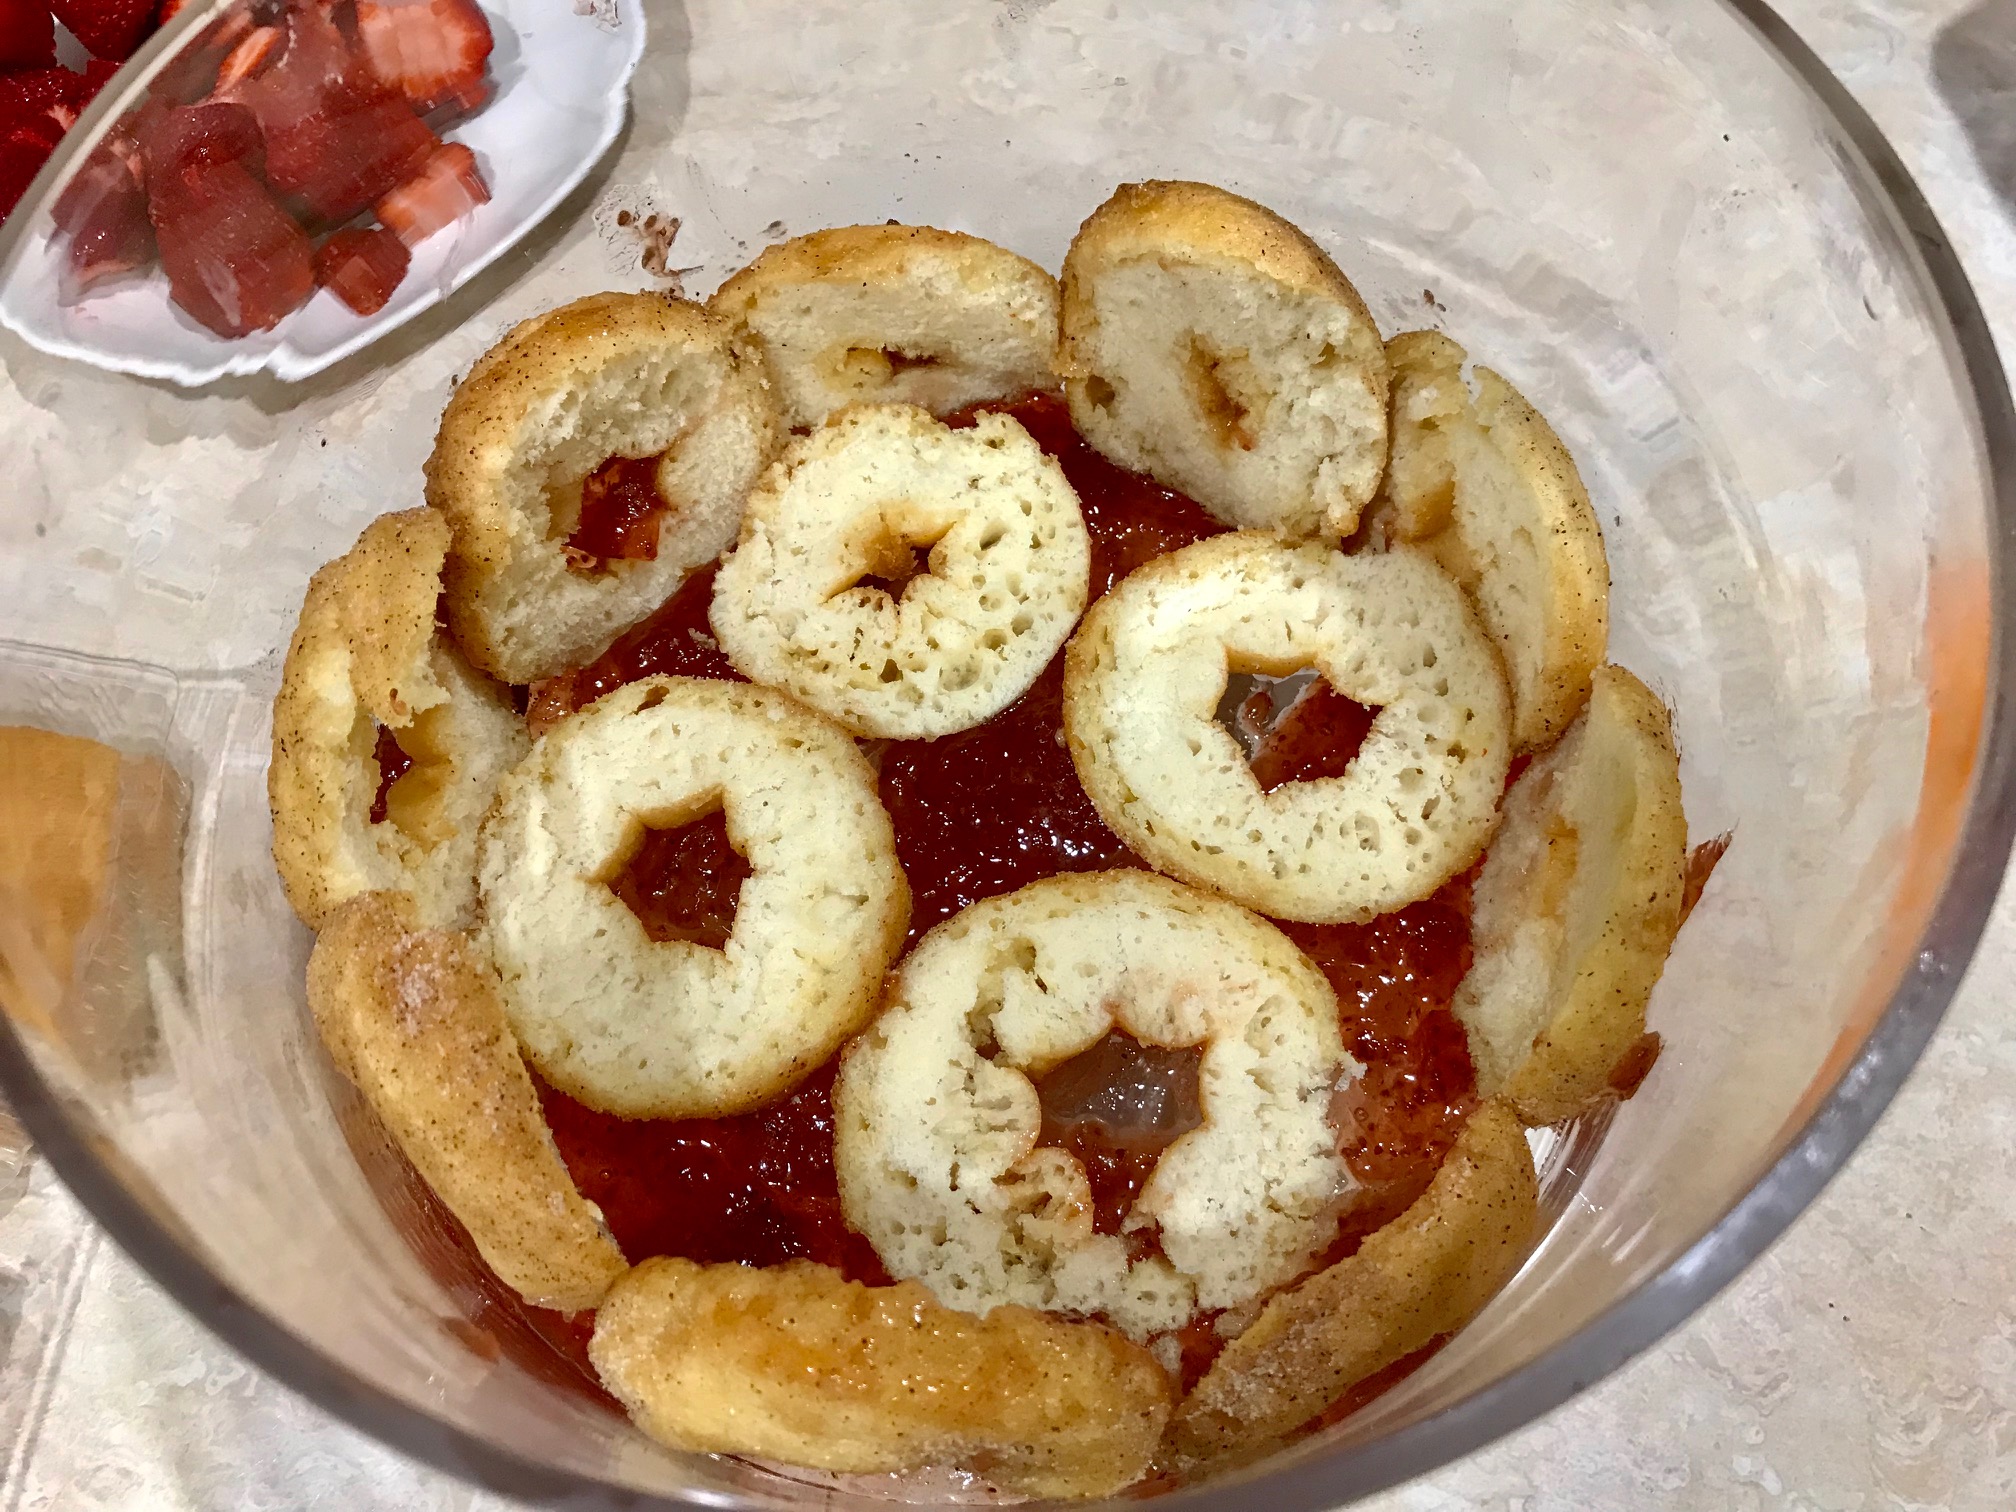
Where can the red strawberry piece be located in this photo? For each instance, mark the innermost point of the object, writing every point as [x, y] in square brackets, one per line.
[27, 34]
[236, 262]
[336, 138]
[362, 268]
[247, 58]
[182, 142]
[31, 91]
[447, 188]
[168, 11]
[431, 51]
[107, 28]
[104, 208]
[26, 140]
[97, 74]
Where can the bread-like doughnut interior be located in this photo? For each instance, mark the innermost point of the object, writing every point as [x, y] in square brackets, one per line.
[795, 1363]
[366, 656]
[1486, 487]
[669, 1028]
[1207, 341]
[937, 1116]
[894, 315]
[1425, 1274]
[613, 375]
[1577, 907]
[983, 516]
[1148, 667]
[411, 1016]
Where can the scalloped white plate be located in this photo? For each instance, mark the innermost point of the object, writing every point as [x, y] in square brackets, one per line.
[562, 77]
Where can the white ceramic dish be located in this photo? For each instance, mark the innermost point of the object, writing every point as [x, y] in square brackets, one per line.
[562, 76]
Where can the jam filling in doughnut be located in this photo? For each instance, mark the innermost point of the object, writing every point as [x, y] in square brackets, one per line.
[979, 814]
[621, 507]
[1117, 1107]
[1316, 736]
[684, 883]
[393, 763]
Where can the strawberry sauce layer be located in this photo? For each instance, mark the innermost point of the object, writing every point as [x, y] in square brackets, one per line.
[976, 815]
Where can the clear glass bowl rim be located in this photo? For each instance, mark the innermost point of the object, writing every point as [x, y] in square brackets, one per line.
[1636, 1321]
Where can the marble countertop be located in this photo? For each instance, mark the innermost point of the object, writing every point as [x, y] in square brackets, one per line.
[1866, 1362]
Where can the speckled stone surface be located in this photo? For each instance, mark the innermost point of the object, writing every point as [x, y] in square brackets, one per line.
[1867, 1362]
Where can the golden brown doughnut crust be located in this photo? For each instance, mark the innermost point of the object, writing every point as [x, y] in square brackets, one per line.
[1425, 1274]
[412, 1017]
[366, 652]
[795, 1363]
[608, 375]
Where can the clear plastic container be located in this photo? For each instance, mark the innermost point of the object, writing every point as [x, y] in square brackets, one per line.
[1663, 221]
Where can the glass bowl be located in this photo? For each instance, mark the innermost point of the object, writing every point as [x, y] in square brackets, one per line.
[1663, 221]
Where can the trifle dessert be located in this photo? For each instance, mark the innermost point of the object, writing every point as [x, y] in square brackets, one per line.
[941, 868]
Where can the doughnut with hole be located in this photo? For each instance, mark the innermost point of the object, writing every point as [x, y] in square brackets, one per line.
[1577, 906]
[1146, 672]
[366, 657]
[894, 315]
[672, 1029]
[1425, 1274]
[609, 376]
[936, 1115]
[798, 605]
[795, 1363]
[1207, 341]
[1486, 487]
[411, 1016]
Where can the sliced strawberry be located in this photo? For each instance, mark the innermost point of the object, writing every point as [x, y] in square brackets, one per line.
[31, 91]
[431, 51]
[26, 140]
[447, 188]
[336, 138]
[236, 262]
[97, 74]
[107, 28]
[169, 10]
[182, 142]
[104, 208]
[248, 58]
[27, 34]
[362, 268]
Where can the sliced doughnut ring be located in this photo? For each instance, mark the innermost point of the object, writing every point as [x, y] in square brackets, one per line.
[894, 315]
[1485, 487]
[795, 1363]
[669, 1028]
[858, 502]
[411, 1016]
[1142, 685]
[1207, 341]
[366, 662]
[1425, 1274]
[608, 377]
[1577, 906]
[937, 1117]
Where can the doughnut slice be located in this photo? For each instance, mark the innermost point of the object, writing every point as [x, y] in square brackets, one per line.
[1577, 907]
[609, 376]
[1148, 667]
[366, 657]
[937, 1115]
[645, 1028]
[893, 315]
[811, 602]
[1208, 342]
[1425, 1274]
[795, 1363]
[412, 1018]
[1487, 488]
